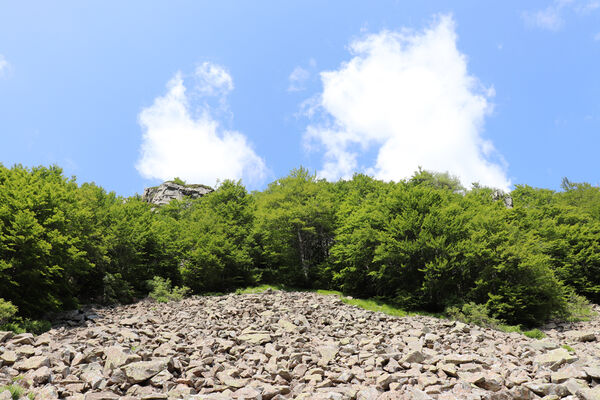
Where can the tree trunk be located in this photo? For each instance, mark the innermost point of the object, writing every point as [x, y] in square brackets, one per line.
[302, 256]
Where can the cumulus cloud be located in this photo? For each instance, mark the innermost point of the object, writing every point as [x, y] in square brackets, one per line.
[408, 96]
[186, 140]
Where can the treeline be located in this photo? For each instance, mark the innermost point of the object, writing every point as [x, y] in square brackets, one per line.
[425, 243]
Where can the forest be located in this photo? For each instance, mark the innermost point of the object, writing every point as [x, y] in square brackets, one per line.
[424, 243]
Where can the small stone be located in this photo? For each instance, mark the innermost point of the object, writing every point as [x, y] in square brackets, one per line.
[117, 357]
[5, 335]
[459, 359]
[581, 336]
[567, 373]
[231, 382]
[287, 325]
[9, 357]
[101, 396]
[23, 338]
[590, 394]
[41, 375]
[414, 356]
[368, 394]
[255, 338]
[247, 393]
[35, 362]
[328, 354]
[555, 358]
[143, 370]
[592, 372]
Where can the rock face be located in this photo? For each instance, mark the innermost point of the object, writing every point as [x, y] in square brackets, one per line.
[285, 345]
[505, 197]
[168, 191]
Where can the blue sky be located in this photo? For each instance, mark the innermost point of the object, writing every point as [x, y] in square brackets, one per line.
[127, 94]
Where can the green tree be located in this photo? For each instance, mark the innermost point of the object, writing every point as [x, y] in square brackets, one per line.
[217, 238]
[294, 229]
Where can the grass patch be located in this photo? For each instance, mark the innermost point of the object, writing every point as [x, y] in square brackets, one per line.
[16, 391]
[371, 305]
[471, 314]
[534, 334]
[568, 348]
[258, 289]
[509, 328]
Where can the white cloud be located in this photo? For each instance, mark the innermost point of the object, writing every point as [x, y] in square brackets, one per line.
[553, 17]
[549, 18]
[409, 96]
[180, 142]
[297, 79]
[588, 7]
[597, 37]
[3, 65]
[212, 80]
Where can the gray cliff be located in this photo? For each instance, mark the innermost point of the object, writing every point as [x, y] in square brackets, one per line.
[167, 191]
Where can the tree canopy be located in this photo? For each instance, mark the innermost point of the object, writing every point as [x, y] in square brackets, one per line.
[425, 243]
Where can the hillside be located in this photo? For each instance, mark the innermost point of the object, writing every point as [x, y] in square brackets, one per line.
[302, 345]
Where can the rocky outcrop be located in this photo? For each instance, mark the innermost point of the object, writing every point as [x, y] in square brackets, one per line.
[167, 191]
[498, 195]
[286, 345]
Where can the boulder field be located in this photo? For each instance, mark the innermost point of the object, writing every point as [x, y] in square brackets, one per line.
[293, 345]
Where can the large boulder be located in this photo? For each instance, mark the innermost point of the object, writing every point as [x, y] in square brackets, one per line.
[167, 191]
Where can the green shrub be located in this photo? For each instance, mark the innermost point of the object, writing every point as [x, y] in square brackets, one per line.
[534, 334]
[178, 181]
[162, 291]
[578, 309]
[509, 328]
[476, 314]
[22, 325]
[116, 289]
[7, 310]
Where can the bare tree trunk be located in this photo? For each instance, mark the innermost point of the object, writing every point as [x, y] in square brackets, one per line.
[302, 256]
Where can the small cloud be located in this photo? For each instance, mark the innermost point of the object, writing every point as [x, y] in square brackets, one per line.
[193, 145]
[552, 18]
[549, 18]
[597, 37]
[212, 80]
[4, 65]
[500, 46]
[587, 8]
[297, 79]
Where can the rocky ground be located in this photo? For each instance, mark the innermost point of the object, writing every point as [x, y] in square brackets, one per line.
[279, 345]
